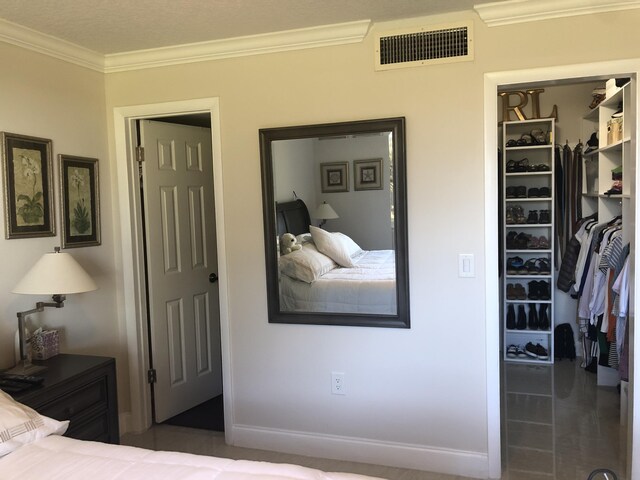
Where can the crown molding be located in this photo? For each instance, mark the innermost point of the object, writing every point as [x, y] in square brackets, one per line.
[326, 35]
[520, 11]
[52, 46]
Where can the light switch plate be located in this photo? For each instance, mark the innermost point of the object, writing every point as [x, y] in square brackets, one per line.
[466, 265]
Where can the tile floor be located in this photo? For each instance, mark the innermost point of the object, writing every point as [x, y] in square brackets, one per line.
[557, 424]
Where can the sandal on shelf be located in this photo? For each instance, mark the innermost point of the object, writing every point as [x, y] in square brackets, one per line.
[511, 166]
[532, 267]
[511, 143]
[518, 215]
[509, 218]
[541, 167]
[525, 139]
[522, 165]
[543, 265]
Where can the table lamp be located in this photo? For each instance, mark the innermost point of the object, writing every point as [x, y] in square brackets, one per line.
[55, 273]
[324, 212]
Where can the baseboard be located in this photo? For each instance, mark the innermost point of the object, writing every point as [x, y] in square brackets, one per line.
[417, 457]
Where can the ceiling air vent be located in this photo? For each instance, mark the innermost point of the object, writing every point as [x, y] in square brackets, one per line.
[425, 46]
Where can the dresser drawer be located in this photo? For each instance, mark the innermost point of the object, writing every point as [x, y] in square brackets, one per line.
[94, 428]
[74, 403]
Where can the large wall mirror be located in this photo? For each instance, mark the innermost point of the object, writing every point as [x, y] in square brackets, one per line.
[339, 191]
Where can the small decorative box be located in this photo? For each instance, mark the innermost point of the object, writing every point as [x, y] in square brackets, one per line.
[45, 344]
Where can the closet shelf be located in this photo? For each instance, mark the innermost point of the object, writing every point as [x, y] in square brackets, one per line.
[527, 225]
[528, 300]
[529, 199]
[526, 174]
[528, 147]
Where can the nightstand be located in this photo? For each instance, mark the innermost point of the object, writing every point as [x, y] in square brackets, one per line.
[79, 388]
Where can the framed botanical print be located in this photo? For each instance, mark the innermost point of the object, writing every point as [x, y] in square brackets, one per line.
[80, 201]
[334, 177]
[28, 192]
[367, 174]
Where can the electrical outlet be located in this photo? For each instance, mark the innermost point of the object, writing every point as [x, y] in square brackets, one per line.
[338, 386]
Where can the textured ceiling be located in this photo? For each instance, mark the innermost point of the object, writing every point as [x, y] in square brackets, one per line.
[114, 26]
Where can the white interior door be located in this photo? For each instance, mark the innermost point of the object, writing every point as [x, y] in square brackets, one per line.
[181, 259]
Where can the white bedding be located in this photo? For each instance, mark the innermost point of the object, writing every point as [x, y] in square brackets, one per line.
[369, 287]
[62, 458]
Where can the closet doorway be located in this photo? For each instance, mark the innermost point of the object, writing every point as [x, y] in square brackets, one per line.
[539, 387]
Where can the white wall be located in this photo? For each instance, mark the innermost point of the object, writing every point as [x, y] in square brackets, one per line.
[294, 170]
[48, 98]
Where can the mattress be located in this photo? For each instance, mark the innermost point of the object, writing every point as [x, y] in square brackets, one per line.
[62, 458]
[369, 287]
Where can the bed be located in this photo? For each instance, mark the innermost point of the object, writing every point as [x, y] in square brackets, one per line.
[32, 447]
[331, 273]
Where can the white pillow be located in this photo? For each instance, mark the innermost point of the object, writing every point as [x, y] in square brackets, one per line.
[335, 245]
[306, 264]
[304, 238]
[20, 425]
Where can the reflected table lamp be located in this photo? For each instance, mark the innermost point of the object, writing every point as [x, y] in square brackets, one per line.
[56, 274]
[325, 212]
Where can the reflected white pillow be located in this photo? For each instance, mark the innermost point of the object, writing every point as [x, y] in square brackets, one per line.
[337, 245]
[20, 425]
[306, 264]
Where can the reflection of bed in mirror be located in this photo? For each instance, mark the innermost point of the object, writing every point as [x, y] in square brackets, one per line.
[347, 280]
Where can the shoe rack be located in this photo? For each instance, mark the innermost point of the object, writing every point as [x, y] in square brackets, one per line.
[608, 166]
[528, 240]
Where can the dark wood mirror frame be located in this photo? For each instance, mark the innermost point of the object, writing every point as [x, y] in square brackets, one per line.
[397, 128]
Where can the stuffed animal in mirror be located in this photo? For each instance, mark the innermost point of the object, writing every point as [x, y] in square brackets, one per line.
[288, 243]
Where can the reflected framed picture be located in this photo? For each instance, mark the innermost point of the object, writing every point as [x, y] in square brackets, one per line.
[367, 174]
[28, 192]
[80, 201]
[334, 177]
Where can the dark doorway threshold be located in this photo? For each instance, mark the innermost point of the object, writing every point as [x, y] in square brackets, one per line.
[207, 416]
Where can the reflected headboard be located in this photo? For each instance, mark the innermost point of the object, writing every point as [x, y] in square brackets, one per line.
[292, 217]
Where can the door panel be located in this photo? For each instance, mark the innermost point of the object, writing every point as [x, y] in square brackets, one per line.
[181, 254]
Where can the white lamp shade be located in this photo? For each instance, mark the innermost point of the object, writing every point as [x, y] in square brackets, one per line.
[325, 212]
[55, 274]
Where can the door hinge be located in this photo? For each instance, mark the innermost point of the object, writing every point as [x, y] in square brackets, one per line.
[151, 375]
[139, 154]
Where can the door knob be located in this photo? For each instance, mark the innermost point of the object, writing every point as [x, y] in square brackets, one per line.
[213, 278]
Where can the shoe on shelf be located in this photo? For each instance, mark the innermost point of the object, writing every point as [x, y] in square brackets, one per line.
[534, 290]
[544, 217]
[544, 192]
[543, 243]
[514, 265]
[532, 217]
[520, 353]
[543, 318]
[541, 352]
[531, 350]
[511, 240]
[509, 218]
[543, 266]
[511, 292]
[521, 323]
[512, 351]
[532, 267]
[510, 192]
[533, 192]
[533, 317]
[543, 290]
[518, 214]
[533, 243]
[519, 292]
[521, 191]
[511, 318]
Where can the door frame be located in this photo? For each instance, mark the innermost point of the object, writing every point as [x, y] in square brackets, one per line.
[133, 285]
[492, 81]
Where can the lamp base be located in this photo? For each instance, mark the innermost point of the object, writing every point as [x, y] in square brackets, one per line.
[25, 369]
